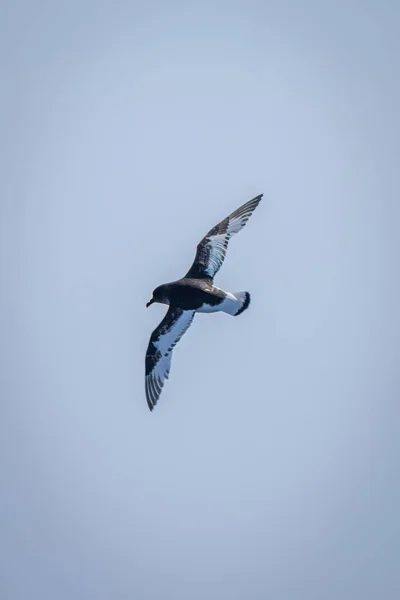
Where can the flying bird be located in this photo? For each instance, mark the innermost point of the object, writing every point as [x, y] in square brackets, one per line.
[195, 292]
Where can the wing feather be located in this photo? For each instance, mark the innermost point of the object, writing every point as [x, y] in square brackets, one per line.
[159, 351]
[211, 251]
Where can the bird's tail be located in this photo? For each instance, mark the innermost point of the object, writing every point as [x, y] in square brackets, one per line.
[243, 299]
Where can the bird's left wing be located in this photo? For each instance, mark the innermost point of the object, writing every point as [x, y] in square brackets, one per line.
[211, 250]
[159, 351]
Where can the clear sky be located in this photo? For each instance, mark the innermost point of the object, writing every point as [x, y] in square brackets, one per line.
[269, 468]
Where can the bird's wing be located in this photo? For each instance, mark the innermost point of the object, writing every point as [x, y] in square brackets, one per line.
[159, 351]
[211, 250]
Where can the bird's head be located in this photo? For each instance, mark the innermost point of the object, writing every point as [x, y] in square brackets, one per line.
[160, 295]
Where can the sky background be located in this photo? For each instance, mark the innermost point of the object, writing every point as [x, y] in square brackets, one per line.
[269, 468]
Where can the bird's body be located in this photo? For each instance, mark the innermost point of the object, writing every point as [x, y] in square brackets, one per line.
[193, 293]
[200, 295]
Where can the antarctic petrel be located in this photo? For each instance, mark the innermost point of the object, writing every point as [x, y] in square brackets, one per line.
[194, 293]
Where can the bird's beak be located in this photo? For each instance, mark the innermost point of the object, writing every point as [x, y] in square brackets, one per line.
[151, 302]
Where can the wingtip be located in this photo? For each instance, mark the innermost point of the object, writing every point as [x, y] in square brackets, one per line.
[254, 201]
[150, 403]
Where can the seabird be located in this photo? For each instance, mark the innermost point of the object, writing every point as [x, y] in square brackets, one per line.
[195, 292]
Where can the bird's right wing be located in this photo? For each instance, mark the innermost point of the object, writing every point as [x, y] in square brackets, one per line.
[211, 250]
[159, 351]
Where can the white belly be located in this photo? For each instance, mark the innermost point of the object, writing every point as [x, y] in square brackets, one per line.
[207, 308]
[229, 305]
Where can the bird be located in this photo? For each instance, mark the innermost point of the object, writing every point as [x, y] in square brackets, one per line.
[193, 293]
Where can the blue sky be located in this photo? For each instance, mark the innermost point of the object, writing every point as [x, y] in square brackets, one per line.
[269, 467]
